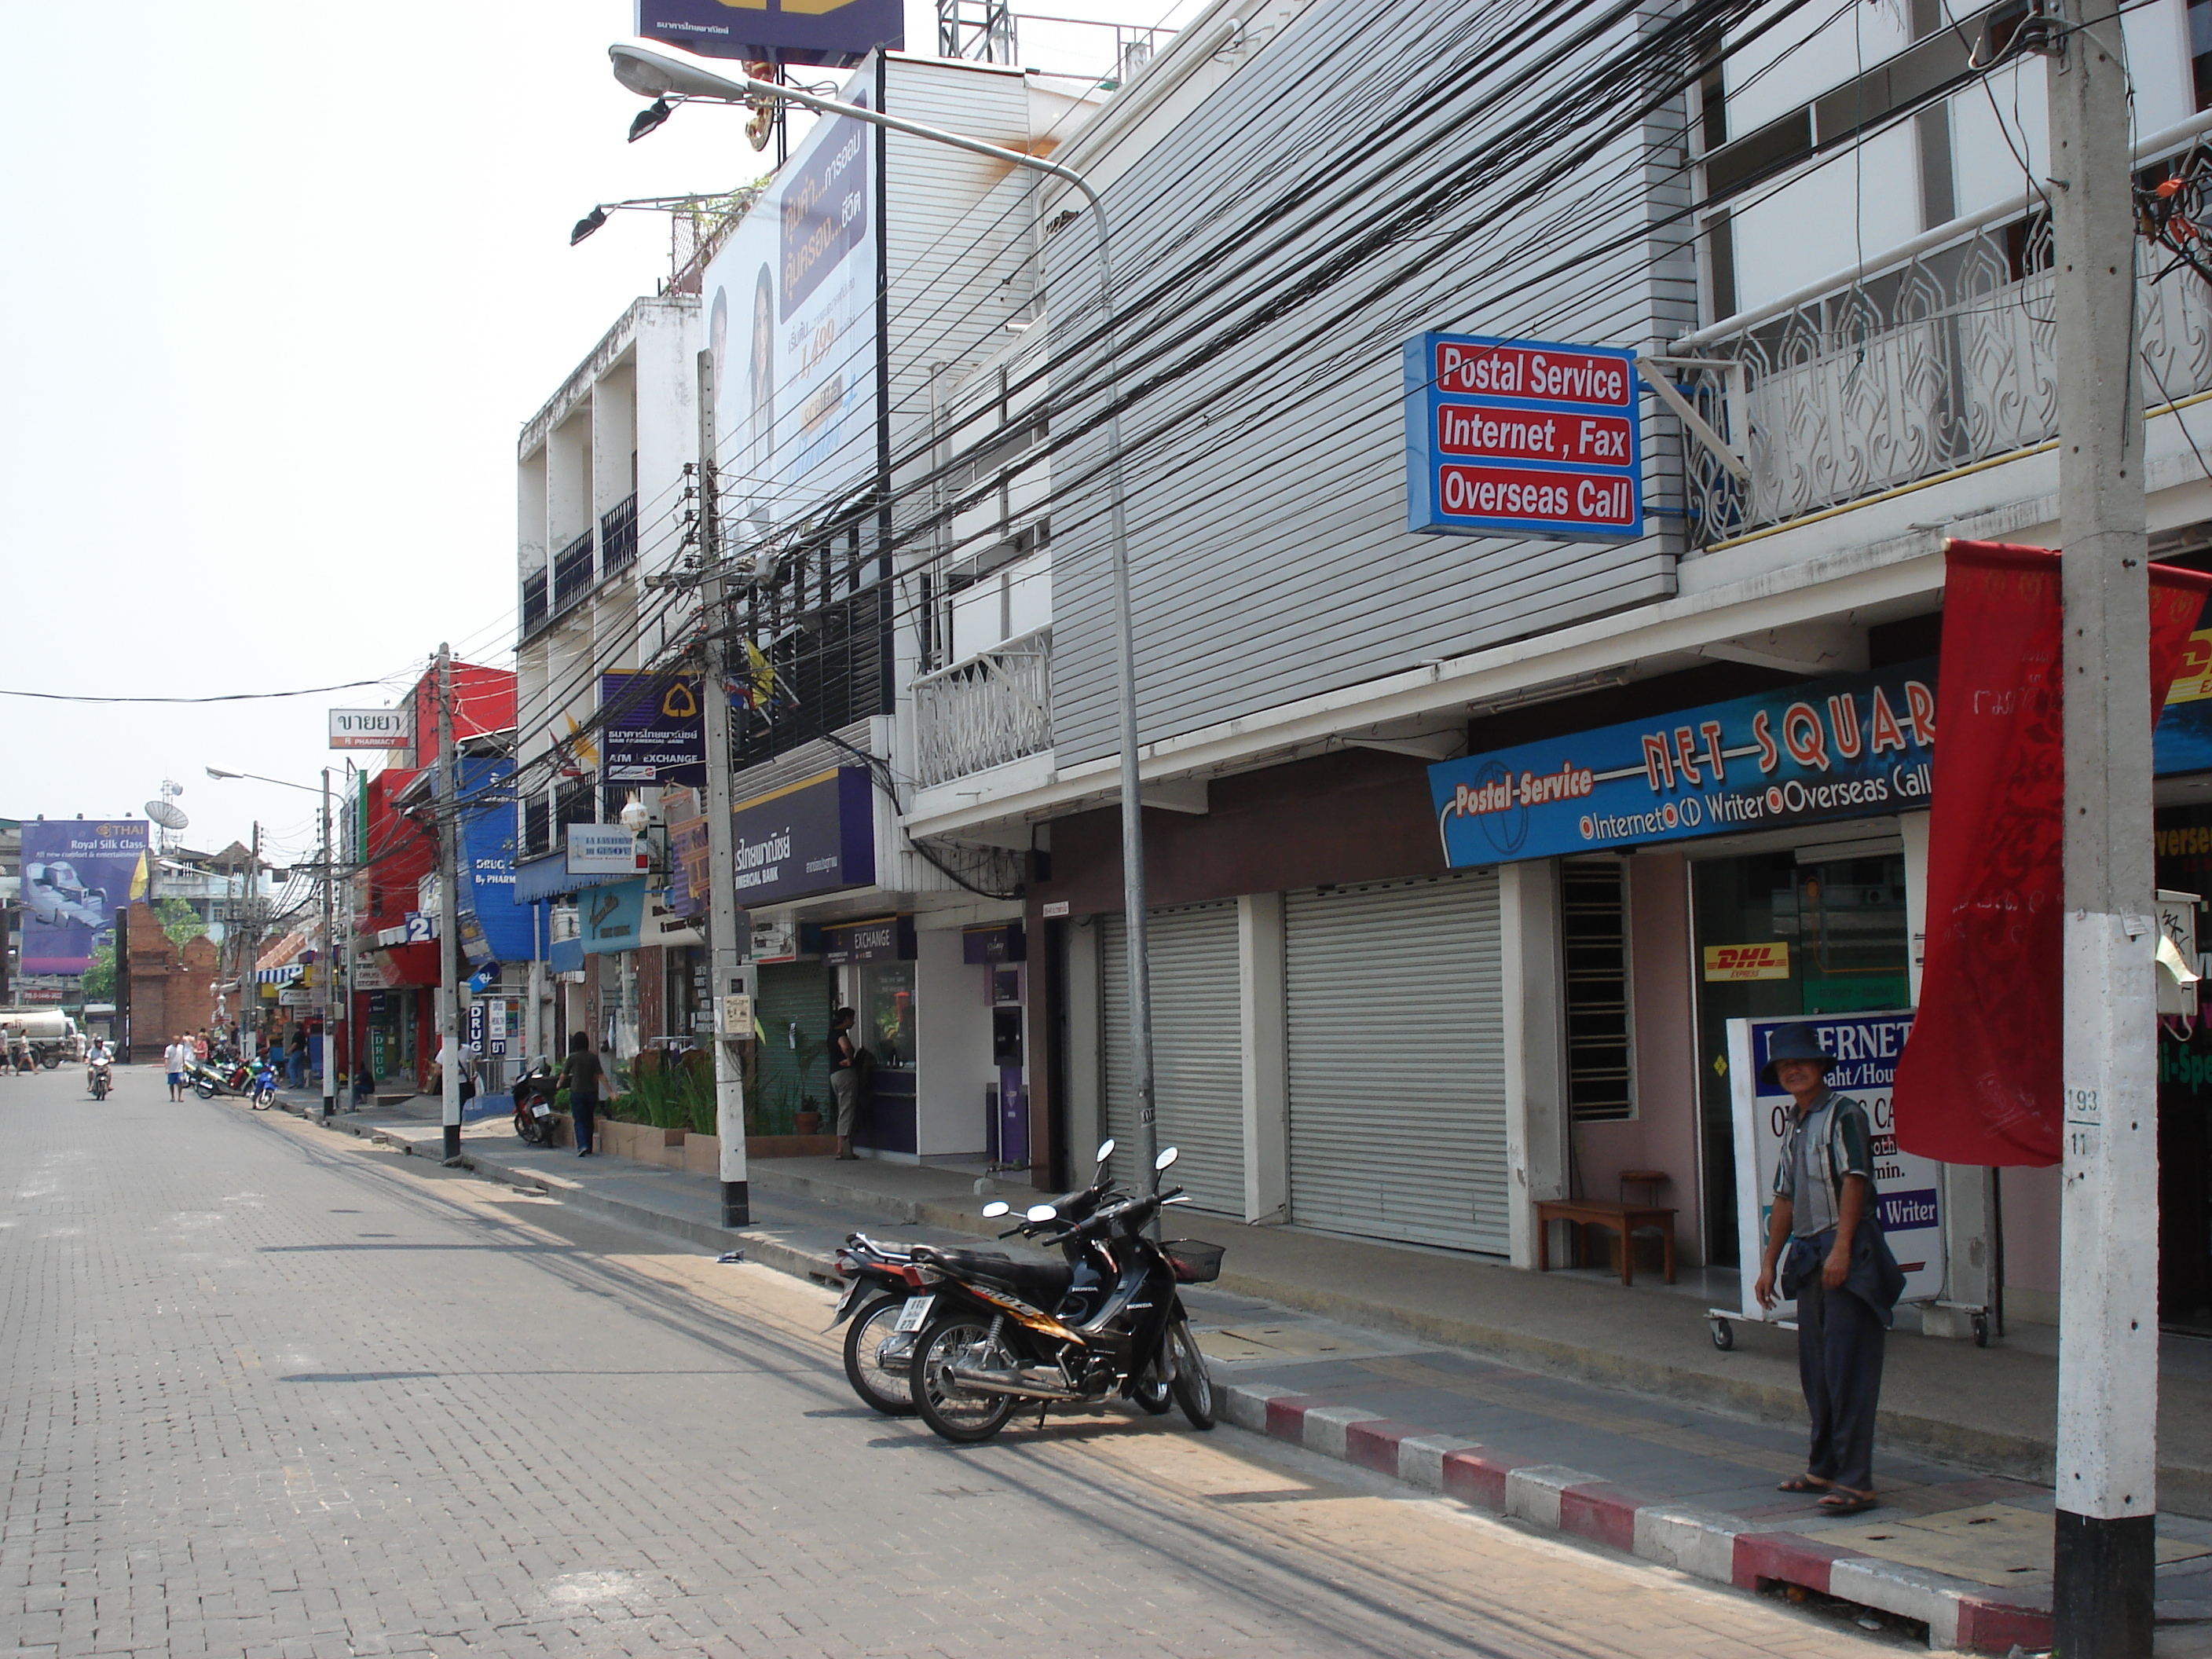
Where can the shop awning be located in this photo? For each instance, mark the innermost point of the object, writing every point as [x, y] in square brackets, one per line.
[283, 975]
[408, 964]
[547, 877]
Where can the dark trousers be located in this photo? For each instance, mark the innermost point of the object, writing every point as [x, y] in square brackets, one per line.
[1840, 1344]
[581, 1108]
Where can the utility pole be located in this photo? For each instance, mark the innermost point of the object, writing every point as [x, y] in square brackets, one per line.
[2103, 1588]
[327, 966]
[446, 800]
[728, 974]
[249, 955]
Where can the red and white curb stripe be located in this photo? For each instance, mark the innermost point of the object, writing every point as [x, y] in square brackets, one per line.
[1704, 1543]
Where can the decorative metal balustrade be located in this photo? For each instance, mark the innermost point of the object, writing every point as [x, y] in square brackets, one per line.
[534, 602]
[618, 536]
[993, 708]
[1946, 359]
[572, 572]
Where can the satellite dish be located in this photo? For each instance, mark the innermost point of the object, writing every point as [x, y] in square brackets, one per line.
[169, 816]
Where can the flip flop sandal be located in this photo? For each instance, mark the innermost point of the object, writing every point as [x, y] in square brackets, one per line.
[1805, 1483]
[1849, 1502]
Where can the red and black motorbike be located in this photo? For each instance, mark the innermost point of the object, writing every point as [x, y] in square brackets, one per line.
[533, 1103]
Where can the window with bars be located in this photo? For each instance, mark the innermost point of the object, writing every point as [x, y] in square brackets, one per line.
[1594, 911]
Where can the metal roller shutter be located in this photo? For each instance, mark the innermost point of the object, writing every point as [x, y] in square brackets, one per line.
[1199, 1073]
[1397, 1061]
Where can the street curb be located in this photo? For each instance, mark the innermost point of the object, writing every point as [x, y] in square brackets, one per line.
[1705, 1544]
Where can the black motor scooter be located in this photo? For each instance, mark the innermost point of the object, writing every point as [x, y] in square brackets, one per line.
[533, 1104]
[988, 1344]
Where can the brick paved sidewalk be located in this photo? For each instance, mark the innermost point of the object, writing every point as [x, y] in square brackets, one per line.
[1668, 1479]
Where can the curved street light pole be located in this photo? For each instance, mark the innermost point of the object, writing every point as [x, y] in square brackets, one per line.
[655, 75]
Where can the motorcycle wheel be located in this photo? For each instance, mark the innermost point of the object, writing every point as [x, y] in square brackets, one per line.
[264, 1099]
[885, 1389]
[965, 1419]
[1152, 1394]
[1194, 1383]
[526, 1129]
[203, 1089]
[99, 1091]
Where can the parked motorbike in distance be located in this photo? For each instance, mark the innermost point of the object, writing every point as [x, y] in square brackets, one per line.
[533, 1104]
[261, 1084]
[986, 1346]
[208, 1079]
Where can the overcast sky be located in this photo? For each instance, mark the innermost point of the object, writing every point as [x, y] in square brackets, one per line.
[281, 284]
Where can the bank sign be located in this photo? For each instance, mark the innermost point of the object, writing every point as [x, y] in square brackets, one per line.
[811, 837]
[1522, 438]
[1850, 746]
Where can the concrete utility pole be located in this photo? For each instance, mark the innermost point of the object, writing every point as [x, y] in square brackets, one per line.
[249, 956]
[728, 974]
[446, 800]
[2103, 1589]
[326, 976]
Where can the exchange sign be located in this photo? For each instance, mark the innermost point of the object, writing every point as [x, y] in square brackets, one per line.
[1522, 438]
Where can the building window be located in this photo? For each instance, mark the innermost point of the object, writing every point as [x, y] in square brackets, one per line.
[1594, 908]
[2200, 50]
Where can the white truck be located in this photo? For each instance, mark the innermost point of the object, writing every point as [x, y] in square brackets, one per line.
[51, 1034]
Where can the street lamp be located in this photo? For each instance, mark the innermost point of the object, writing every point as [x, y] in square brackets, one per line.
[217, 772]
[664, 78]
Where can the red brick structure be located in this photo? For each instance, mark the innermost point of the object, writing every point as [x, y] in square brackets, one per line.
[161, 989]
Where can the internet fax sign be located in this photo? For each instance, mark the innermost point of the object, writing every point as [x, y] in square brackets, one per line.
[1522, 438]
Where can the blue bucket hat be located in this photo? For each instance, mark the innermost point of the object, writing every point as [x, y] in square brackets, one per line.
[1794, 1042]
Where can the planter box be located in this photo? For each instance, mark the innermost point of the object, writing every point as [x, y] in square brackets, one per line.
[790, 1145]
[703, 1154]
[617, 1139]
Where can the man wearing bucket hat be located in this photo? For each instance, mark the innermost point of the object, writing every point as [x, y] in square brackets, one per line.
[1837, 1267]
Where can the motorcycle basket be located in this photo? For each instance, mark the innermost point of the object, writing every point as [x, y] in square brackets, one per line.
[1194, 1262]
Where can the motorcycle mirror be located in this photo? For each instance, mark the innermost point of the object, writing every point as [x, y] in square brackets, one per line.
[996, 1208]
[1167, 1156]
[1105, 1150]
[1040, 1212]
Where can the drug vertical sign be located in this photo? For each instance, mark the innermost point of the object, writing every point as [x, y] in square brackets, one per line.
[1522, 438]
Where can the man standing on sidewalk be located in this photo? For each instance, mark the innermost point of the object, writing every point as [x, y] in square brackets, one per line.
[173, 1061]
[1838, 1268]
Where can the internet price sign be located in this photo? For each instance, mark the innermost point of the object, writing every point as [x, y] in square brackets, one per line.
[1522, 438]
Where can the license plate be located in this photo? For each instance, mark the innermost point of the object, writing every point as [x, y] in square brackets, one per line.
[912, 1315]
[541, 1110]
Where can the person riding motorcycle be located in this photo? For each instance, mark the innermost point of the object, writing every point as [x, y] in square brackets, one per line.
[98, 1058]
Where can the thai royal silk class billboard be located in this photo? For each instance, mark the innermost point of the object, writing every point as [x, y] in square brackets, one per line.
[1522, 438]
[791, 323]
[1845, 747]
[77, 873]
[832, 32]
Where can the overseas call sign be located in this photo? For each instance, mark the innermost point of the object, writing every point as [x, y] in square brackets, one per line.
[1522, 438]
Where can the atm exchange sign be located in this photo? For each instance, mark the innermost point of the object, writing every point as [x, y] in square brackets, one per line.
[1522, 438]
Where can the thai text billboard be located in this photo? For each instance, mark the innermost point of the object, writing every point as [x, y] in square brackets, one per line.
[832, 32]
[77, 873]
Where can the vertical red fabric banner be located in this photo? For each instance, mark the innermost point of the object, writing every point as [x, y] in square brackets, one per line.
[1978, 1080]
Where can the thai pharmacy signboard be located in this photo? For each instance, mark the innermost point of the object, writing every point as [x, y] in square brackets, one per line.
[1522, 438]
[368, 728]
[1908, 1188]
[1854, 745]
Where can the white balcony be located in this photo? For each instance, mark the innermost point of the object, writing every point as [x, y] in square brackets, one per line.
[1945, 360]
[992, 708]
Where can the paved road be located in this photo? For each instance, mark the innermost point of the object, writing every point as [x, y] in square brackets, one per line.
[271, 1392]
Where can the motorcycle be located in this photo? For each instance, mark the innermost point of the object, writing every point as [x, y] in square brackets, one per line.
[98, 1077]
[209, 1081]
[881, 1278]
[987, 1344]
[262, 1085]
[533, 1104]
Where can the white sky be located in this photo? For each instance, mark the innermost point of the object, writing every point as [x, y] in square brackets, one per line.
[280, 284]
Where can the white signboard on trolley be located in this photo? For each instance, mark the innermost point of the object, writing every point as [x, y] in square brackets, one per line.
[1909, 1188]
[368, 728]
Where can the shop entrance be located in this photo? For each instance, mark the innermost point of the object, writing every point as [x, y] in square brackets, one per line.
[2184, 846]
[1778, 936]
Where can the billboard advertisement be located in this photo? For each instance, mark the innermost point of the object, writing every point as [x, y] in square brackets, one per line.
[813, 836]
[1522, 438]
[502, 929]
[77, 873]
[832, 32]
[791, 321]
[652, 729]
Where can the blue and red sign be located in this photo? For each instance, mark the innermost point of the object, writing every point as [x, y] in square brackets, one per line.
[1522, 438]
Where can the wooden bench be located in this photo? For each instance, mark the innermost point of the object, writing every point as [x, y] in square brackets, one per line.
[1619, 1217]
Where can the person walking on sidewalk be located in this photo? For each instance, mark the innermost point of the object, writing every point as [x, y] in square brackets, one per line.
[1837, 1267]
[175, 1058]
[845, 1079]
[581, 1073]
[295, 1057]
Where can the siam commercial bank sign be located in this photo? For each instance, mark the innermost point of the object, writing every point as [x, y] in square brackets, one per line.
[809, 837]
[1522, 438]
[1851, 746]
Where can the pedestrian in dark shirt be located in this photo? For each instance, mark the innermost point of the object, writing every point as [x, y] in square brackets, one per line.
[1837, 1267]
[582, 1073]
[845, 1079]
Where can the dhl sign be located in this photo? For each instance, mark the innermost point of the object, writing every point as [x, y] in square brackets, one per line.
[1729, 962]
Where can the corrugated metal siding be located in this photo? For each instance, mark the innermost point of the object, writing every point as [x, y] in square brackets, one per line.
[792, 992]
[1267, 483]
[1196, 1060]
[1397, 1061]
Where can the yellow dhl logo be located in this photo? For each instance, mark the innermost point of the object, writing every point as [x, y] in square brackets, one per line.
[1734, 962]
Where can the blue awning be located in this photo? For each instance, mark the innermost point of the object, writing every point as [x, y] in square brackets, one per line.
[549, 877]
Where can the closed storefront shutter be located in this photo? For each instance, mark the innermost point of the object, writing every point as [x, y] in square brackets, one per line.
[1397, 1061]
[792, 993]
[1197, 1073]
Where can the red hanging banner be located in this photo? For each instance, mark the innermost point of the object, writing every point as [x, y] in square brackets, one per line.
[1978, 1080]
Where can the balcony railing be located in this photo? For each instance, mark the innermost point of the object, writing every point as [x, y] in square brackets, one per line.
[993, 708]
[534, 602]
[618, 535]
[572, 572]
[1946, 359]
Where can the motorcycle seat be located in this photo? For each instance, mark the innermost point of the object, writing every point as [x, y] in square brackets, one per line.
[1040, 1283]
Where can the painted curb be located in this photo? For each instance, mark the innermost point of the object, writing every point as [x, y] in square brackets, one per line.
[1704, 1543]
